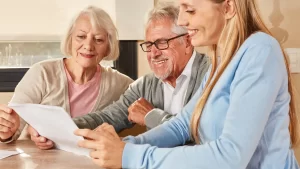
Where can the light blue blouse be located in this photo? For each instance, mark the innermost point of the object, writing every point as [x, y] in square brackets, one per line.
[244, 123]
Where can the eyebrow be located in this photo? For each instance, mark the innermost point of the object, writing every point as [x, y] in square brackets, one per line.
[97, 34]
[82, 30]
[154, 40]
[185, 4]
[101, 35]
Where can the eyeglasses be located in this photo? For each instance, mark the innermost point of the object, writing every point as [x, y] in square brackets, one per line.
[160, 44]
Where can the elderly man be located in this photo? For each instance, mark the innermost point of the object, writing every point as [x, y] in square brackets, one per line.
[177, 73]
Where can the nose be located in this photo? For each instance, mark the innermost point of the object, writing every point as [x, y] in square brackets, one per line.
[88, 44]
[182, 21]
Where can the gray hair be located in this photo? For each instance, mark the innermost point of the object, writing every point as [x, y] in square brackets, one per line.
[99, 20]
[166, 10]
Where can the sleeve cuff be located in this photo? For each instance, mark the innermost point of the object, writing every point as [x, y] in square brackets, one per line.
[13, 137]
[129, 139]
[7, 140]
[155, 117]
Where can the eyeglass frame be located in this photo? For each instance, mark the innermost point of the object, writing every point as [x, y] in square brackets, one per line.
[155, 42]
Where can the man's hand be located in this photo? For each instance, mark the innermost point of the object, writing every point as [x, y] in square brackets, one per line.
[105, 144]
[40, 141]
[138, 110]
[9, 122]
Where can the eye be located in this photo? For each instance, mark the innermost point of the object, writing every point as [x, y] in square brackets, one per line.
[80, 36]
[190, 11]
[98, 40]
[161, 41]
[148, 45]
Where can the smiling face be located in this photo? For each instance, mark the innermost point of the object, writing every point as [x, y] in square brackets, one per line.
[89, 45]
[170, 62]
[204, 20]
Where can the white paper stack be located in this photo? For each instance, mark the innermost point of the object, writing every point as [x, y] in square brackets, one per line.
[53, 123]
[5, 153]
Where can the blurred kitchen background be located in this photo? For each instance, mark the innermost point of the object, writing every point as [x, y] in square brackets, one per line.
[24, 54]
[31, 30]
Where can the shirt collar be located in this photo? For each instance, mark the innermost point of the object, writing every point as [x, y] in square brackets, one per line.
[187, 71]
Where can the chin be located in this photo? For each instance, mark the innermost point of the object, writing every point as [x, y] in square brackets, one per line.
[197, 42]
[163, 75]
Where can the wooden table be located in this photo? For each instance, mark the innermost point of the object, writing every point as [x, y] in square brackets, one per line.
[34, 158]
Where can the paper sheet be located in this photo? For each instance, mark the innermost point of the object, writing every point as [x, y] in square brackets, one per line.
[5, 153]
[53, 123]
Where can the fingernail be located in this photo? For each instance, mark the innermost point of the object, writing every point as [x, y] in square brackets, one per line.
[49, 143]
[42, 139]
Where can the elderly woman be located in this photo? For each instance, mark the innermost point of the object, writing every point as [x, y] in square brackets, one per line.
[78, 83]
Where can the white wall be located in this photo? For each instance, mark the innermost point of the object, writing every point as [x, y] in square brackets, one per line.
[36, 17]
[48, 19]
[130, 17]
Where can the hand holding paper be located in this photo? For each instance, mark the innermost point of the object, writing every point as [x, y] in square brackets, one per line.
[40, 141]
[105, 144]
[9, 122]
[53, 123]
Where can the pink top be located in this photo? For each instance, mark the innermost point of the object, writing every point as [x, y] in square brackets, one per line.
[83, 97]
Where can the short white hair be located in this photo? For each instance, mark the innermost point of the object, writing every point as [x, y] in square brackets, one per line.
[166, 10]
[99, 20]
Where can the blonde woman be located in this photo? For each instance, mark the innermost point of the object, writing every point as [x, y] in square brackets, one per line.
[78, 83]
[243, 115]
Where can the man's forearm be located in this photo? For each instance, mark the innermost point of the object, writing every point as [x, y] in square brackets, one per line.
[115, 114]
[93, 120]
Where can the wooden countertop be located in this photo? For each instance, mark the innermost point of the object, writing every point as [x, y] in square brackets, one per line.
[34, 158]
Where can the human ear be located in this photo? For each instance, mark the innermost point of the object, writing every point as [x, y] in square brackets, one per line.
[188, 41]
[229, 9]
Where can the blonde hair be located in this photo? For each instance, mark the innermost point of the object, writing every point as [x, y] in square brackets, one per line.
[100, 20]
[246, 22]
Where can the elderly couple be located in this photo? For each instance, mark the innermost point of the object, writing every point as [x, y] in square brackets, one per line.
[239, 111]
[93, 94]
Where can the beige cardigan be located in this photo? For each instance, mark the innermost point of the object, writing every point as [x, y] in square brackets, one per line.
[46, 83]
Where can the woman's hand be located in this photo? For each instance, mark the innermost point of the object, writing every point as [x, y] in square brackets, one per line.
[9, 122]
[40, 141]
[107, 147]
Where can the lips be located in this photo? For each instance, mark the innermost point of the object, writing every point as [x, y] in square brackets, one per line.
[87, 55]
[192, 32]
[158, 62]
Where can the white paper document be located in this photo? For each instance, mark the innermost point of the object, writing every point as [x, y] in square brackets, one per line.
[53, 123]
[5, 153]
